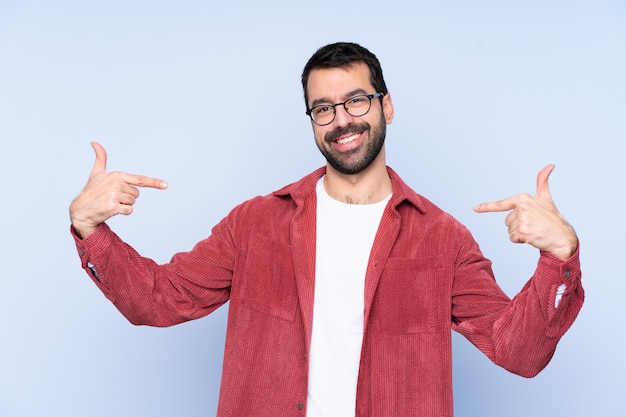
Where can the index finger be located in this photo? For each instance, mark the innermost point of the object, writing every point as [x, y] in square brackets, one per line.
[144, 181]
[496, 206]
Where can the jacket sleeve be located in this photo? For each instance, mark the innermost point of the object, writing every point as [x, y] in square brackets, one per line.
[191, 285]
[521, 334]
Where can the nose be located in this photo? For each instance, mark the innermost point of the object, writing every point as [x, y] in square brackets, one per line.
[342, 117]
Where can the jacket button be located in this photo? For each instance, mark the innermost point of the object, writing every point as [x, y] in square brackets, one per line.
[300, 406]
[567, 273]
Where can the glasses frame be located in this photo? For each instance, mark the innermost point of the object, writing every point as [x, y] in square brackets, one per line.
[309, 112]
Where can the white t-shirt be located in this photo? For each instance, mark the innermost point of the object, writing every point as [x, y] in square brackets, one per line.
[345, 235]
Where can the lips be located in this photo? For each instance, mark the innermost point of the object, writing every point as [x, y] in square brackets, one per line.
[348, 143]
[343, 141]
[347, 138]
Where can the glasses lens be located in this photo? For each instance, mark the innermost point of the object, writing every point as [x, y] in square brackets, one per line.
[323, 115]
[358, 105]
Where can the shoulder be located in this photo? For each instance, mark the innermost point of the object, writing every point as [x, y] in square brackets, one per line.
[281, 201]
[302, 188]
[414, 207]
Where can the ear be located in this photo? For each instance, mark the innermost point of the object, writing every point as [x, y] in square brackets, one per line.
[388, 108]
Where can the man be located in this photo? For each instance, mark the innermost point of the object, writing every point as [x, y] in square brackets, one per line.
[343, 286]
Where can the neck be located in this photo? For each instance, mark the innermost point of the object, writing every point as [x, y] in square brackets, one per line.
[369, 186]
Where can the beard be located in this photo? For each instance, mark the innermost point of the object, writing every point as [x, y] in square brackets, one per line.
[358, 159]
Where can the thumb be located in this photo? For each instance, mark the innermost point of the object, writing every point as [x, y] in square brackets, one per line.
[100, 165]
[543, 189]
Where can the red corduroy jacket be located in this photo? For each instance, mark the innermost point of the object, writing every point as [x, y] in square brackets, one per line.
[426, 276]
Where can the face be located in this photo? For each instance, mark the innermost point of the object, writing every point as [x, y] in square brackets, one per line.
[349, 144]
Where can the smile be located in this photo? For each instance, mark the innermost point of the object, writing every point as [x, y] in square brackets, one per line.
[348, 139]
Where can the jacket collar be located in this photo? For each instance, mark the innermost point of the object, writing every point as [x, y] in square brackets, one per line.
[301, 189]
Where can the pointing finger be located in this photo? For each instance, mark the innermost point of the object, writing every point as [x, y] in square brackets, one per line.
[144, 181]
[543, 189]
[502, 205]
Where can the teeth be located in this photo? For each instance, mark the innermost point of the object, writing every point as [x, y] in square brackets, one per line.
[348, 139]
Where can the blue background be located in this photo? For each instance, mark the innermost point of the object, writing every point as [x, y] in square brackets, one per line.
[207, 96]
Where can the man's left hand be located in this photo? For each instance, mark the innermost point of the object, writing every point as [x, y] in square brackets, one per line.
[536, 220]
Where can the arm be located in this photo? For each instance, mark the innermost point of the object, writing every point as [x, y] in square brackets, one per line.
[190, 286]
[521, 334]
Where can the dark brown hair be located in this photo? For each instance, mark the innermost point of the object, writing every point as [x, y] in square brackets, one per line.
[344, 55]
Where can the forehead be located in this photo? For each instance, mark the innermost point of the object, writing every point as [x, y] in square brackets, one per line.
[335, 83]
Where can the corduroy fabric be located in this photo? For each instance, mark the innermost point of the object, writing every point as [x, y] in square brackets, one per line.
[426, 276]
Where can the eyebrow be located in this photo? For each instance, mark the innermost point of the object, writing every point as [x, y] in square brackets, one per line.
[325, 100]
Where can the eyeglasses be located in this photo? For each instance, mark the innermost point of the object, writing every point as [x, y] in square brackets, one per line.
[355, 106]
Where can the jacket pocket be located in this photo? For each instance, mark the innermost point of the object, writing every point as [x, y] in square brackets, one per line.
[413, 296]
[267, 283]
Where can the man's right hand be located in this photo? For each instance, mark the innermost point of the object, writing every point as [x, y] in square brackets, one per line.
[106, 194]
